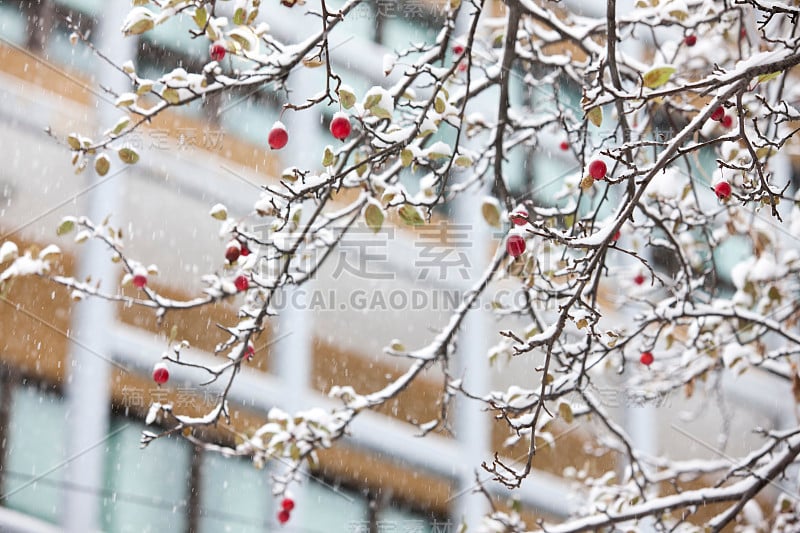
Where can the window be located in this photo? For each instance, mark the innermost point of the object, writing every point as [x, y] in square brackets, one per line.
[174, 35]
[332, 510]
[13, 23]
[86, 6]
[149, 488]
[360, 23]
[248, 114]
[398, 519]
[36, 445]
[235, 496]
[407, 24]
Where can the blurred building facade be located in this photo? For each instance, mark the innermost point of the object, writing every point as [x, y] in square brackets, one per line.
[382, 478]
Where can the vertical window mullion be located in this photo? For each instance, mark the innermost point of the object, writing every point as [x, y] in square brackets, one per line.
[5, 416]
[193, 503]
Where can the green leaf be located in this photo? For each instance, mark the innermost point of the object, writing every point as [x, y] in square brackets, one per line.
[595, 116]
[406, 157]
[251, 18]
[490, 209]
[346, 97]
[240, 16]
[439, 104]
[380, 112]
[140, 27]
[173, 334]
[657, 77]
[67, 225]
[200, 17]
[121, 124]
[219, 212]
[328, 157]
[397, 346]
[171, 95]
[411, 215]
[102, 164]
[464, 161]
[73, 141]
[379, 104]
[765, 151]
[770, 76]
[371, 101]
[128, 155]
[360, 167]
[373, 214]
[565, 412]
[244, 37]
[679, 14]
[145, 86]
[138, 21]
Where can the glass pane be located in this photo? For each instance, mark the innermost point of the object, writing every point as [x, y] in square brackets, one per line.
[247, 118]
[60, 50]
[730, 253]
[87, 6]
[394, 519]
[549, 173]
[148, 487]
[12, 24]
[37, 437]
[324, 509]
[174, 35]
[400, 32]
[235, 496]
[359, 23]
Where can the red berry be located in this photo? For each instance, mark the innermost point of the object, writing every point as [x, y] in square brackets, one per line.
[242, 283]
[278, 136]
[160, 373]
[646, 358]
[617, 235]
[638, 279]
[597, 169]
[718, 114]
[564, 146]
[515, 245]
[340, 126]
[727, 121]
[283, 516]
[287, 504]
[233, 251]
[462, 67]
[722, 190]
[245, 251]
[217, 51]
[139, 280]
[458, 49]
[690, 40]
[249, 352]
[519, 217]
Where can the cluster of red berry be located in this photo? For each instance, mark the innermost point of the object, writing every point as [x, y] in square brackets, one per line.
[723, 118]
[279, 136]
[340, 129]
[233, 251]
[287, 504]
